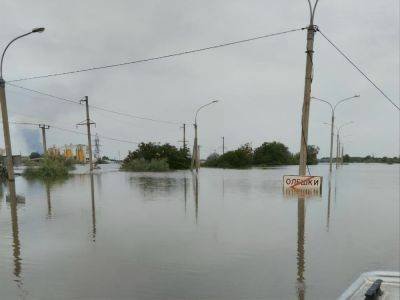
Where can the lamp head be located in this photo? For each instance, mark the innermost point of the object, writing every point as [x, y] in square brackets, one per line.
[38, 29]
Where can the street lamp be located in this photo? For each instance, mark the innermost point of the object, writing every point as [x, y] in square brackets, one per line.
[333, 109]
[3, 106]
[338, 141]
[195, 155]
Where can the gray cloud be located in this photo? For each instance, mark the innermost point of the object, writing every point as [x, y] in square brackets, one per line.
[260, 84]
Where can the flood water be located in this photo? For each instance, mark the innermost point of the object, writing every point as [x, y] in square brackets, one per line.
[231, 234]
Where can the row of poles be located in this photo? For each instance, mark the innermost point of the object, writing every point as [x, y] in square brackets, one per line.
[195, 163]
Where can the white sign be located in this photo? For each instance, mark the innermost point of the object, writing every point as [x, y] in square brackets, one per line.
[295, 182]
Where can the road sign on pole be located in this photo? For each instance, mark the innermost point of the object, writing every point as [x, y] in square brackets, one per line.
[299, 183]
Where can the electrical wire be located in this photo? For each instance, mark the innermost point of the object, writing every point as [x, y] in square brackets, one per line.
[158, 57]
[76, 132]
[95, 106]
[359, 70]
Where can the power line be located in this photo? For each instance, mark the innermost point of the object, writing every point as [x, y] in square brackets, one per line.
[95, 106]
[102, 136]
[158, 57]
[359, 70]
[76, 132]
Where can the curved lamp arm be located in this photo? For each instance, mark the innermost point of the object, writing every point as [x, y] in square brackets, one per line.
[346, 99]
[324, 101]
[40, 29]
[201, 107]
[312, 11]
[343, 125]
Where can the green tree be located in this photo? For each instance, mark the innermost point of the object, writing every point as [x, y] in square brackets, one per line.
[239, 158]
[175, 158]
[274, 153]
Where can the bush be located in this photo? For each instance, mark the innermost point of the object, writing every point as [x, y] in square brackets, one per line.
[34, 155]
[176, 159]
[142, 165]
[274, 153]
[50, 167]
[238, 159]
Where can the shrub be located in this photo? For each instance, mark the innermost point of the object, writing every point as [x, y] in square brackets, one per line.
[239, 158]
[274, 153]
[50, 167]
[175, 158]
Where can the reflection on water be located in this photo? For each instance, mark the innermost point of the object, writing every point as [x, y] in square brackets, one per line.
[185, 191]
[250, 242]
[328, 211]
[195, 179]
[16, 245]
[93, 208]
[301, 285]
[48, 195]
[150, 184]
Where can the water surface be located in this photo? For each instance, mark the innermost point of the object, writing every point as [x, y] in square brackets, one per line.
[230, 234]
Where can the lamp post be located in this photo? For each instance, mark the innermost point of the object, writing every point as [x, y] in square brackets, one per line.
[3, 106]
[338, 141]
[195, 154]
[333, 109]
[311, 29]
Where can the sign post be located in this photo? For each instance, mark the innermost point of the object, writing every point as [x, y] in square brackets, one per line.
[302, 183]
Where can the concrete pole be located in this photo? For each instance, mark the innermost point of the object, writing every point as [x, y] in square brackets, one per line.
[306, 102]
[341, 157]
[337, 150]
[88, 123]
[331, 148]
[44, 127]
[223, 145]
[44, 140]
[198, 159]
[6, 131]
[184, 136]
[195, 148]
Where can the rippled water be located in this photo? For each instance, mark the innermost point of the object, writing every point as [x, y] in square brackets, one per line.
[231, 234]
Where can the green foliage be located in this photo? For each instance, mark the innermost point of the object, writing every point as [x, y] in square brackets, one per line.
[142, 165]
[274, 153]
[102, 160]
[238, 159]
[34, 155]
[3, 173]
[371, 159]
[175, 158]
[50, 167]
[312, 153]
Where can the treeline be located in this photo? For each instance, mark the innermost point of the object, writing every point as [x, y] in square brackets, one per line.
[371, 159]
[156, 157]
[268, 154]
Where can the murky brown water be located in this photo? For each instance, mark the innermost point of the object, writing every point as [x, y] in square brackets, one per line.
[154, 236]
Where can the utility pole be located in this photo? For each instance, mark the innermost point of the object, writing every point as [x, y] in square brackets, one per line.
[337, 150]
[311, 29]
[6, 130]
[195, 154]
[195, 150]
[223, 145]
[184, 136]
[333, 109]
[3, 107]
[88, 122]
[341, 157]
[44, 127]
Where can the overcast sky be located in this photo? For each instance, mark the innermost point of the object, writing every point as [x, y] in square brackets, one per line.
[260, 84]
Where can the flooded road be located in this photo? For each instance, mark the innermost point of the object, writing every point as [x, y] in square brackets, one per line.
[231, 234]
